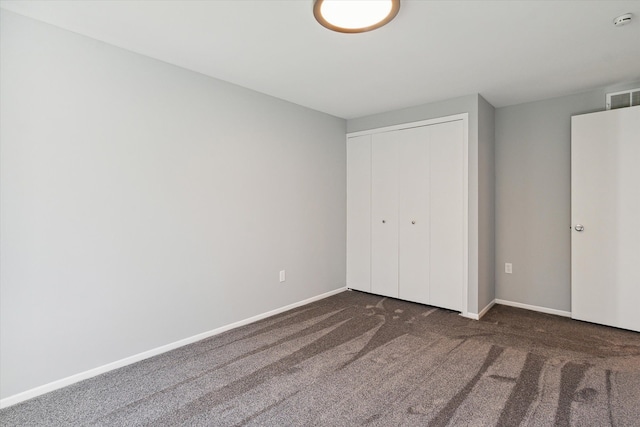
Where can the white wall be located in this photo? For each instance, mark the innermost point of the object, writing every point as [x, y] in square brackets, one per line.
[533, 197]
[142, 203]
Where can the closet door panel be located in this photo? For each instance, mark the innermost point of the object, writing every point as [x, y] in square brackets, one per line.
[359, 213]
[384, 214]
[413, 209]
[605, 201]
[447, 214]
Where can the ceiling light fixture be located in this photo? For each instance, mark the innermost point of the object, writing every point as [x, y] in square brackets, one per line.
[355, 16]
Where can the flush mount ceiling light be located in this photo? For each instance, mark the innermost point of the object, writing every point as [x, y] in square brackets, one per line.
[355, 16]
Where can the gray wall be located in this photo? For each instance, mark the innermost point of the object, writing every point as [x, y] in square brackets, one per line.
[533, 197]
[486, 203]
[465, 104]
[142, 203]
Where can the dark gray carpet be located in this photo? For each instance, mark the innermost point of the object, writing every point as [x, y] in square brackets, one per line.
[360, 359]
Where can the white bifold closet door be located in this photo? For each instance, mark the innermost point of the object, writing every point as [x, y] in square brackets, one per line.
[447, 220]
[413, 214]
[384, 213]
[415, 250]
[359, 213]
[605, 215]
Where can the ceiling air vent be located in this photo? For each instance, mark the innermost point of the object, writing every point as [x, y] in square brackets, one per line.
[626, 98]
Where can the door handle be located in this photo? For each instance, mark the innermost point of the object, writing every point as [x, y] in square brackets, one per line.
[579, 227]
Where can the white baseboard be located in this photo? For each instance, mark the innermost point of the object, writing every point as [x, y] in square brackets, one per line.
[487, 308]
[534, 308]
[469, 315]
[478, 316]
[37, 391]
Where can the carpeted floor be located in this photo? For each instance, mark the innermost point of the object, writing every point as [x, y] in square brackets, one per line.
[360, 359]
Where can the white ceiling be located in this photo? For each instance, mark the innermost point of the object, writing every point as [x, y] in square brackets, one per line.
[508, 51]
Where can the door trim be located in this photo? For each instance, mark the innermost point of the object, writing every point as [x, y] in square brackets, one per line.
[409, 125]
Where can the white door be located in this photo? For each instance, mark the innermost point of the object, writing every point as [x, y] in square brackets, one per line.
[605, 216]
[413, 210]
[359, 213]
[447, 201]
[384, 214]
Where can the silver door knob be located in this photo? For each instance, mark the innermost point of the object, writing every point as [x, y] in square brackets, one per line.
[413, 222]
[579, 227]
[383, 221]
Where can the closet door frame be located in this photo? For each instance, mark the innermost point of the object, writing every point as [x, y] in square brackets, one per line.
[464, 117]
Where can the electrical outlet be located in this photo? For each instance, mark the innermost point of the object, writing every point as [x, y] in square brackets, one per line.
[508, 268]
[282, 276]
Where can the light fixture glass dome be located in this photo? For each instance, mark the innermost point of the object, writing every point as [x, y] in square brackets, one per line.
[355, 16]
